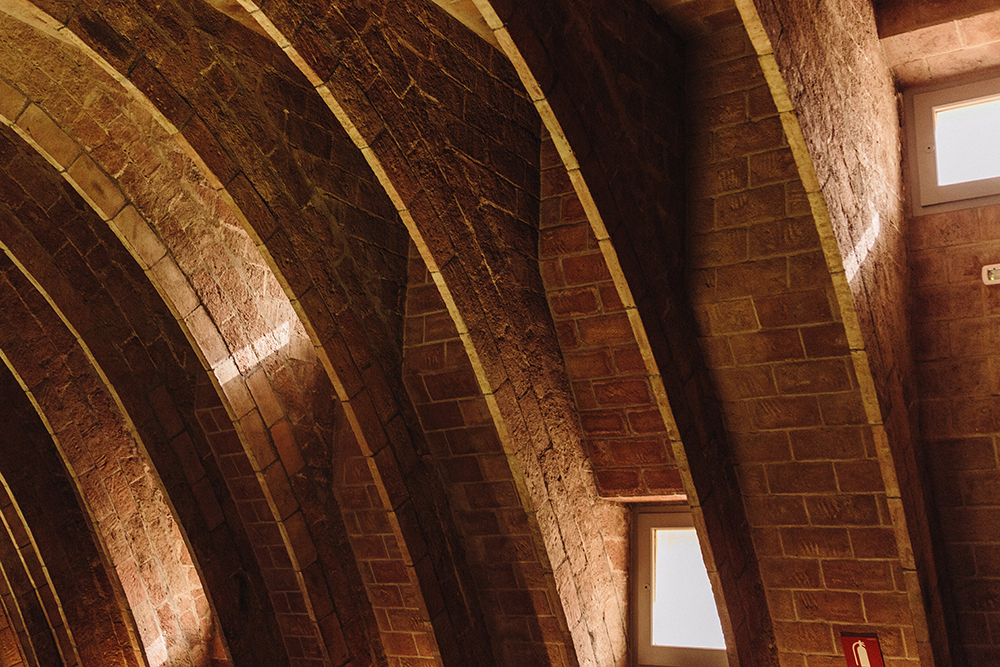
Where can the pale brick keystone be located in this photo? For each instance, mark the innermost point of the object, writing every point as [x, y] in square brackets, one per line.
[11, 102]
[208, 342]
[95, 186]
[138, 237]
[180, 297]
[58, 147]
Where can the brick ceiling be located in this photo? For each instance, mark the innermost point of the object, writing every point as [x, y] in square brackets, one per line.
[342, 334]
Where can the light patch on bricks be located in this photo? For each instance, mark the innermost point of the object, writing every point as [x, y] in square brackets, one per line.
[249, 355]
[859, 254]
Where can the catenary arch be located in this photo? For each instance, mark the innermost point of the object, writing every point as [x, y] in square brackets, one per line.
[170, 416]
[60, 587]
[129, 410]
[402, 130]
[617, 624]
[593, 597]
[141, 242]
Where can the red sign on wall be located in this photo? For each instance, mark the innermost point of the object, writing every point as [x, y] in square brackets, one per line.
[862, 650]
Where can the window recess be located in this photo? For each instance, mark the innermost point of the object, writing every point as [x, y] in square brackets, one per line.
[955, 139]
[676, 622]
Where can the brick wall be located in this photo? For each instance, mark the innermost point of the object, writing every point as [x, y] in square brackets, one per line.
[516, 588]
[612, 102]
[627, 441]
[850, 129]
[154, 382]
[773, 338]
[955, 319]
[233, 306]
[11, 652]
[55, 576]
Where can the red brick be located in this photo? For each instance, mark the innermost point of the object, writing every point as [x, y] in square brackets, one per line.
[628, 359]
[611, 300]
[790, 573]
[605, 330]
[743, 208]
[886, 608]
[744, 382]
[589, 364]
[842, 409]
[825, 340]
[785, 412]
[663, 480]
[816, 542]
[859, 476]
[637, 451]
[974, 453]
[943, 229]
[804, 637]
[727, 246]
[729, 76]
[618, 482]
[801, 478]
[796, 308]
[559, 241]
[555, 182]
[646, 421]
[858, 575]
[753, 137]
[767, 346]
[485, 495]
[574, 302]
[714, 179]
[462, 469]
[603, 422]
[829, 606]
[583, 269]
[455, 384]
[776, 511]
[732, 317]
[773, 166]
[444, 414]
[762, 446]
[874, 542]
[955, 377]
[624, 391]
[760, 102]
[828, 443]
[843, 510]
[948, 302]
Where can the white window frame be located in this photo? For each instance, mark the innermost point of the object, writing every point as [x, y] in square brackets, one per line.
[645, 520]
[927, 196]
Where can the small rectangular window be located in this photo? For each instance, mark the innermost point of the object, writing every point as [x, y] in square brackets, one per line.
[676, 619]
[957, 140]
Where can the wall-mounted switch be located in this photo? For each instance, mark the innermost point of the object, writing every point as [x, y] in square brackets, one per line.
[991, 274]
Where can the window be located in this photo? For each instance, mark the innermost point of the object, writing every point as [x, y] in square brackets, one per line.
[676, 621]
[956, 133]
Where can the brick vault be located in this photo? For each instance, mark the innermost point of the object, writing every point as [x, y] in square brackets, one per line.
[351, 332]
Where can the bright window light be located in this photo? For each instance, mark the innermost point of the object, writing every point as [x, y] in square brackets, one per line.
[684, 612]
[953, 145]
[967, 137]
[675, 620]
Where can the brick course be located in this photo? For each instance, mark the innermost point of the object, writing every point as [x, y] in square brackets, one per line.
[952, 319]
[810, 477]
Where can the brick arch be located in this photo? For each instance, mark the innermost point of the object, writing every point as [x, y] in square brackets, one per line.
[112, 473]
[606, 145]
[401, 501]
[444, 216]
[10, 644]
[313, 633]
[159, 420]
[58, 584]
